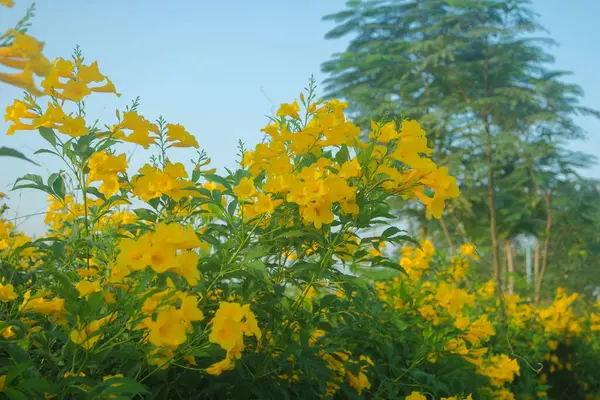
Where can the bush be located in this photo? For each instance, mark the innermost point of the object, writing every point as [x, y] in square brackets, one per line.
[275, 280]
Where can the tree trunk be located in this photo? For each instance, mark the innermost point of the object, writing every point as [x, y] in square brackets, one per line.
[511, 267]
[538, 288]
[536, 263]
[490, 183]
[447, 234]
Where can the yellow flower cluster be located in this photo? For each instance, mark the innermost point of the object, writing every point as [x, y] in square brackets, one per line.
[24, 54]
[105, 167]
[168, 248]
[153, 182]
[231, 323]
[339, 364]
[326, 183]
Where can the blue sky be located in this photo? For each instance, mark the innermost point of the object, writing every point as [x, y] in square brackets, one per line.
[219, 67]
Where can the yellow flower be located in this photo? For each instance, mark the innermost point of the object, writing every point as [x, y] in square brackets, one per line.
[176, 133]
[85, 288]
[2, 383]
[75, 91]
[289, 110]
[7, 292]
[190, 311]
[8, 333]
[245, 189]
[71, 373]
[90, 73]
[468, 250]
[169, 328]
[74, 127]
[350, 169]
[415, 396]
[42, 306]
[480, 329]
[230, 323]
[226, 332]
[177, 236]
[358, 383]
[217, 368]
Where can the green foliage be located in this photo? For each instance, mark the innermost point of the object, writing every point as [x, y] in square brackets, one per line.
[479, 79]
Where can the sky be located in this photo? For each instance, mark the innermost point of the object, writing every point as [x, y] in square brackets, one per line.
[221, 67]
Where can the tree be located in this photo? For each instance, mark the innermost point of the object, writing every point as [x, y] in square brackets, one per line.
[479, 81]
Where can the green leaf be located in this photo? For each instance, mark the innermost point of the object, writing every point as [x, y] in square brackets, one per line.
[259, 270]
[83, 146]
[96, 192]
[218, 179]
[391, 231]
[37, 183]
[196, 174]
[145, 214]
[37, 384]
[232, 206]
[8, 152]
[14, 394]
[106, 144]
[342, 155]
[123, 386]
[57, 183]
[48, 134]
[45, 151]
[300, 234]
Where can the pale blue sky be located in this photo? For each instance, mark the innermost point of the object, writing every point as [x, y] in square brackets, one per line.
[218, 67]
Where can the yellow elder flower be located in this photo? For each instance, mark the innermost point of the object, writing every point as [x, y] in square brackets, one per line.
[245, 189]
[85, 288]
[75, 91]
[161, 357]
[17, 110]
[231, 322]
[63, 68]
[385, 133]
[358, 383]
[2, 383]
[226, 332]
[168, 330]
[43, 306]
[25, 54]
[217, 368]
[176, 133]
[90, 73]
[350, 169]
[480, 329]
[415, 396]
[190, 311]
[289, 110]
[186, 265]
[8, 333]
[7, 292]
[468, 250]
[74, 127]
[177, 236]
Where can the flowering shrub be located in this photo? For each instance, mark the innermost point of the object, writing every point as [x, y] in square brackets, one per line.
[175, 282]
